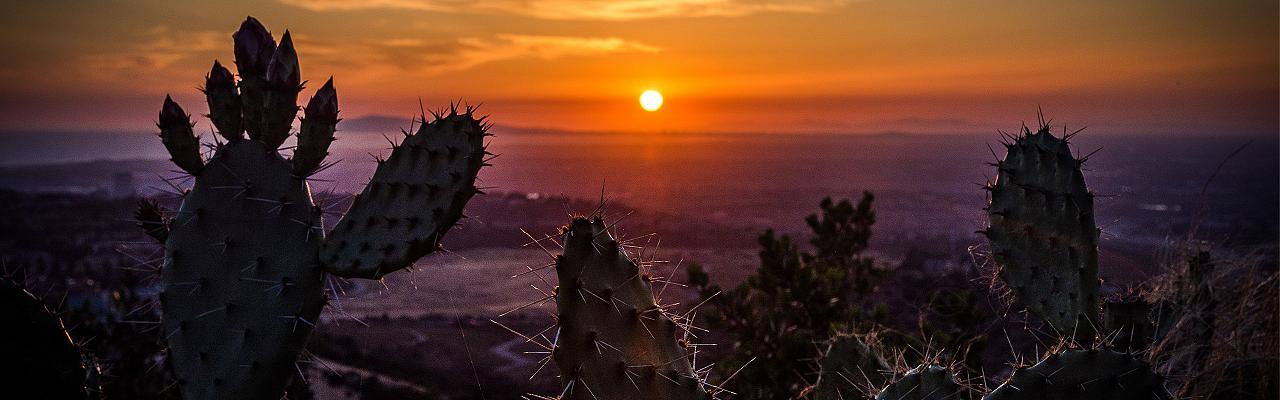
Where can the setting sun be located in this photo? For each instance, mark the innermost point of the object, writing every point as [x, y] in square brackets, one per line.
[651, 100]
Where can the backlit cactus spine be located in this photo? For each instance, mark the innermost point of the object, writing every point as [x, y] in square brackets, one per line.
[246, 255]
[1042, 232]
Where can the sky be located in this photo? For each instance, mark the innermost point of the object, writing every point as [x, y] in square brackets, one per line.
[1154, 67]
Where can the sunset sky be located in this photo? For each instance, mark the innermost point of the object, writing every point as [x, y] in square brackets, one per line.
[1165, 67]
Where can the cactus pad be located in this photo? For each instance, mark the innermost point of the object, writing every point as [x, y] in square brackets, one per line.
[614, 341]
[1083, 374]
[242, 285]
[927, 382]
[37, 355]
[415, 196]
[1042, 231]
[848, 368]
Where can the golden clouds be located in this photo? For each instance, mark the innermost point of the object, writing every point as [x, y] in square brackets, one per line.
[619, 10]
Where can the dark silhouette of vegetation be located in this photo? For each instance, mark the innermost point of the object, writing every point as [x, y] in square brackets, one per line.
[794, 299]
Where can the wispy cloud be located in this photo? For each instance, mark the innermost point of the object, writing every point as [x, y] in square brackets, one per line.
[438, 56]
[582, 9]
[158, 48]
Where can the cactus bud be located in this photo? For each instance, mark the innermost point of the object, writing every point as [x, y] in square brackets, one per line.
[219, 78]
[280, 100]
[318, 124]
[224, 101]
[283, 70]
[172, 116]
[254, 48]
[177, 136]
[324, 104]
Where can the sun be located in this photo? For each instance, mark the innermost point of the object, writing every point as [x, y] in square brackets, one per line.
[651, 100]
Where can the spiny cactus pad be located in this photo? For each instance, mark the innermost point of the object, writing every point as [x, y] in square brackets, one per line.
[37, 355]
[415, 196]
[1042, 231]
[848, 368]
[242, 283]
[614, 341]
[926, 382]
[1083, 374]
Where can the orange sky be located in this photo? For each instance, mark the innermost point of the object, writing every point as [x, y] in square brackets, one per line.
[1168, 67]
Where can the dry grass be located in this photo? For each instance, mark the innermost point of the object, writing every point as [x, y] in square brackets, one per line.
[1217, 326]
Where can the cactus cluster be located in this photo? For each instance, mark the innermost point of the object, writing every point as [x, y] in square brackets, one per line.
[246, 255]
[246, 258]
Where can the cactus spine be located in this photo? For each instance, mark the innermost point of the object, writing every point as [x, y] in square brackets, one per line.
[1042, 231]
[243, 273]
[614, 340]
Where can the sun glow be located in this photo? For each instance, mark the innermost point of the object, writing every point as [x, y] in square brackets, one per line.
[651, 100]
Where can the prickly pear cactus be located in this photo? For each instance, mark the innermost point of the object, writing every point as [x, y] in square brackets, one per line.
[37, 354]
[926, 382]
[243, 275]
[1083, 374]
[614, 341]
[1042, 231]
[848, 368]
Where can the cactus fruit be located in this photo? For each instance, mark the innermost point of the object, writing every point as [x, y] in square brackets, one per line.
[614, 340]
[848, 366]
[403, 212]
[38, 355]
[926, 382]
[1083, 374]
[1042, 231]
[243, 270]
